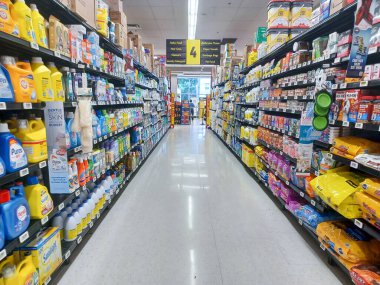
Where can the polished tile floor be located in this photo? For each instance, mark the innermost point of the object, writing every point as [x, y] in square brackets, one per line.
[193, 215]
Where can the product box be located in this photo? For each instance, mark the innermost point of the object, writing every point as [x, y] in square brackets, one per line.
[67, 3]
[337, 5]
[324, 10]
[120, 34]
[102, 16]
[58, 36]
[368, 70]
[46, 252]
[85, 9]
[375, 72]
[119, 18]
[115, 5]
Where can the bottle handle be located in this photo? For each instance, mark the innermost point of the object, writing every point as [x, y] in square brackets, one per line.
[21, 265]
[22, 65]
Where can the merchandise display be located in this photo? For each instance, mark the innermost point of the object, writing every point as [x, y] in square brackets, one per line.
[307, 129]
[73, 132]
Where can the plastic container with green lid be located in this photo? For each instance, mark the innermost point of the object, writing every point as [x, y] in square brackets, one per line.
[320, 123]
[323, 100]
[320, 111]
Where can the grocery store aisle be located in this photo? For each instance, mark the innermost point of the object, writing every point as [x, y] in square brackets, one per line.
[192, 215]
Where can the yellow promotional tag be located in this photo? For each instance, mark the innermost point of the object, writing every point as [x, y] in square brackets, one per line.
[193, 52]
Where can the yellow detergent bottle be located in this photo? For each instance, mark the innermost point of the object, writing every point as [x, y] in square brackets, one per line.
[22, 14]
[56, 81]
[32, 134]
[42, 76]
[9, 272]
[27, 272]
[38, 197]
[22, 79]
[7, 25]
[39, 27]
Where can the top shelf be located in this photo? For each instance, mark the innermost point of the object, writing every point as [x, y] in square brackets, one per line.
[319, 29]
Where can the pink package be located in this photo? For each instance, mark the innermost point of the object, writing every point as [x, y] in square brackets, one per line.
[286, 171]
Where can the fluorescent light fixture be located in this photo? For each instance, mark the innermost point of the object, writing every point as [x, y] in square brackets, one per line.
[192, 15]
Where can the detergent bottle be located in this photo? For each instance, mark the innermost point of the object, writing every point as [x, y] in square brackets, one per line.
[6, 88]
[73, 135]
[81, 172]
[27, 272]
[11, 150]
[2, 169]
[2, 234]
[70, 228]
[42, 76]
[78, 220]
[7, 24]
[67, 82]
[83, 216]
[56, 80]
[58, 222]
[39, 27]
[15, 211]
[22, 14]
[33, 137]
[22, 79]
[38, 197]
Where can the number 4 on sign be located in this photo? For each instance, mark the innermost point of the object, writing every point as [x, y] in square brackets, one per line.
[193, 52]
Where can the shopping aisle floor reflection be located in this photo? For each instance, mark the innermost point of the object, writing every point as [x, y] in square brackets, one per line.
[192, 215]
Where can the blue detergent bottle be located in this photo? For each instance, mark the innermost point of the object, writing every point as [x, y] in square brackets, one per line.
[73, 135]
[6, 89]
[96, 130]
[2, 233]
[15, 211]
[11, 150]
[2, 167]
[102, 120]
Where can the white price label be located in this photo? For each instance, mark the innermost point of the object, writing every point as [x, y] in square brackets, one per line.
[44, 220]
[91, 224]
[100, 139]
[346, 124]
[61, 206]
[103, 171]
[322, 246]
[77, 193]
[81, 65]
[295, 97]
[354, 164]
[312, 202]
[117, 191]
[358, 223]
[79, 239]
[84, 188]
[74, 104]
[329, 155]
[363, 83]
[334, 86]
[24, 172]
[98, 215]
[372, 50]
[293, 111]
[34, 46]
[299, 65]
[78, 149]
[304, 97]
[278, 109]
[304, 64]
[309, 62]
[305, 81]
[105, 137]
[95, 141]
[3, 106]
[47, 281]
[42, 164]
[287, 183]
[359, 125]
[316, 173]
[343, 85]
[110, 201]
[300, 222]
[285, 97]
[3, 254]
[57, 54]
[302, 194]
[24, 237]
[67, 254]
[27, 106]
[337, 60]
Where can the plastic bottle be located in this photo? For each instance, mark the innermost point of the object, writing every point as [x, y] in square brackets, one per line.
[96, 130]
[86, 168]
[74, 205]
[2, 168]
[75, 175]
[15, 211]
[70, 228]
[92, 207]
[81, 172]
[39, 27]
[58, 221]
[71, 177]
[10, 274]
[32, 134]
[7, 24]
[87, 208]
[6, 88]
[56, 81]
[27, 272]
[78, 220]
[83, 215]
[42, 76]
[73, 135]
[22, 14]
[90, 167]
[11, 150]
[22, 79]
[69, 210]
[67, 82]
[38, 197]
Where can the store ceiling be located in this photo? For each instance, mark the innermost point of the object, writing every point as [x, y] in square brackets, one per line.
[217, 19]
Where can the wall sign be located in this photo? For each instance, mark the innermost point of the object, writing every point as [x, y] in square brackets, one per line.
[193, 52]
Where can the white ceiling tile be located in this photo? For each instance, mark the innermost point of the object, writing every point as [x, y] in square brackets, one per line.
[130, 3]
[246, 14]
[139, 14]
[160, 2]
[149, 25]
[254, 3]
[163, 13]
[166, 25]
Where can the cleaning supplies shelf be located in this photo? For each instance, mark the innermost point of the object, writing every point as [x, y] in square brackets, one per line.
[11, 177]
[281, 110]
[21, 106]
[141, 68]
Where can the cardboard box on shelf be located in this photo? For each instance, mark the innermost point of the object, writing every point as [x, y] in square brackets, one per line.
[67, 3]
[115, 5]
[58, 36]
[85, 9]
[119, 18]
[336, 5]
[120, 34]
[247, 50]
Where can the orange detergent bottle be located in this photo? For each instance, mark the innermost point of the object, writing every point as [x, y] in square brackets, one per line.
[7, 25]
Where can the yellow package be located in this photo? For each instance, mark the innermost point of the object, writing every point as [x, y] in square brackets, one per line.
[46, 252]
[337, 189]
[356, 145]
[354, 249]
[372, 187]
[370, 207]
[336, 151]
[250, 158]
[252, 57]
[102, 17]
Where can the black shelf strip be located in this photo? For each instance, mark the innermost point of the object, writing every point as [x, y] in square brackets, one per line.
[288, 157]
[247, 103]
[284, 98]
[31, 168]
[21, 106]
[322, 144]
[341, 21]
[367, 227]
[355, 165]
[141, 86]
[248, 86]
[280, 110]
[355, 85]
[357, 126]
[246, 122]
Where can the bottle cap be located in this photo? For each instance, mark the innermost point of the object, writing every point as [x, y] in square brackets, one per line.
[4, 128]
[70, 115]
[37, 59]
[32, 180]
[5, 196]
[7, 60]
[9, 270]
[33, 7]
[22, 124]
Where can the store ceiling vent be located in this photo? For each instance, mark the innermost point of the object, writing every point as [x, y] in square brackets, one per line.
[134, 27]
[228, 41]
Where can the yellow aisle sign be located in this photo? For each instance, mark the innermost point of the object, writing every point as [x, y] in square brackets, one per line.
[193, 52]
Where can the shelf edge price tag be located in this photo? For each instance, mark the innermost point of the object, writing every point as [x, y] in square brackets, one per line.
[98, 215]
[42, 164]
[57, 54]
[77, 193]
[372, 50]
[312, 202]
[359, 125]
[337, 60]
[27, 106]
[334, 86]
[345, 124]
[343, 85]
[287, 183]
[3, 254]
[24, 172]
[363, 83]
[322, 246]
[67, 254]
[3, 106]
[300, 222]
[61, 206]
[24, 237]
[358, 223]
[44, 220]
[47, 281]
[34, 46]
[354, 164]
[91, 224]
[302, 194]
[79, 239]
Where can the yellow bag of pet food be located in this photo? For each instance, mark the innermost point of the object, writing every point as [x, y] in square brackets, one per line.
[370, 207]
[372, 187]
[356, 145]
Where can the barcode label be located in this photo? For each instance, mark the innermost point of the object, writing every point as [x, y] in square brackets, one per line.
[24, 237]
[346, 124]
[358, 223]
[372, 50]
[61, 206]
[78, 149]
[354, 164]
[34, 46]
[79, 239]
[77, 193]
[27, 106]
[337, 60]
[363, 83]
[47, 281]
[57, 53]
[304, 64]
[300, 222]
[359, 125]
[100, 139]
[74, 104]
[44, 220]
[42, 164]
[81, 65]
[343, 85]
[67, 254]
[334, 86]
[91, 224]
[95, 141]
[3, 106]
[287, 183]
[302, 194]
[98, 215]
[24, 172]
[322, 246]
[329, 155]
[312, 202]
[3, 254]
[293, 111]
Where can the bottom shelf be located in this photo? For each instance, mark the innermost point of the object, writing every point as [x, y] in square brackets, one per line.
[75, 246]
[264, 185]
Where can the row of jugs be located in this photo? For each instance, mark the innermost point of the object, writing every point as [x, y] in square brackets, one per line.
[24, 82]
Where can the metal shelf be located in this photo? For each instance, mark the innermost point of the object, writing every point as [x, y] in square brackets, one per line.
[280, 110]
[31, 168]
[357, 126]
[11, 106]
[288, 157]
[322, 144]
[355, 165]
[248, 86]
